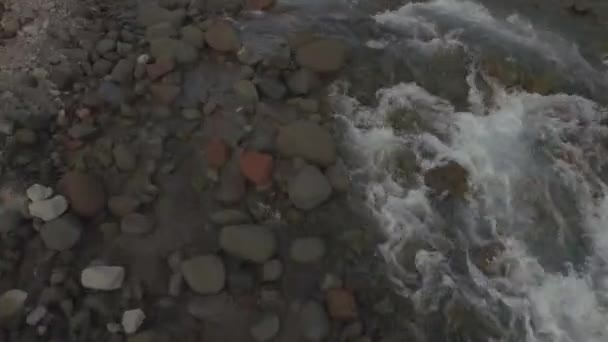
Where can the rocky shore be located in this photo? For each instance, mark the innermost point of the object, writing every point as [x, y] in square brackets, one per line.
[166, 178]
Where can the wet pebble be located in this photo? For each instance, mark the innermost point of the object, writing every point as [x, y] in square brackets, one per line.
[84, 192]
[204, 274]
[338, 176]
[341, 304]
[307, 250]
[271, 88]
[309, 188]
[105, 45]
[222, 36]
[132, 320]
[247, 91]
[38, 192]
[266, 328]
[272, 270]
[248, 242]
[11, 304]
[193, 36]
[309, 141]
[231, 187]
[36, 315]
[61, 233]
[314, 323]
[303, 81]
[322, 55]
[49, 209]
[123, 158]
[105, 278]
[136, 224]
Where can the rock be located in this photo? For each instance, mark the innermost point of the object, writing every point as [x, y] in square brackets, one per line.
[248, 55]
[152, 15]
[314, 323]
[309, 141]
[175, 284]
[150, 336]
[104, 278]
[105, 45]
[160, 30]
[160, 67]
[450, 178]
[193, 36]
[163, 93]
[229, 217]
[25, 136]
[84, 192]
[185, 53]
[132, 320]
[49, 209]
[191, 114]
[260, 4]
[257, 167]
[123, 158]
[10, 220]
[266, 328]
[231, 187]
[341, 304]
[331, 281]
[271, 88]
[204, 274]
[307, 250]
[122, 205]
[82, 130]
[164, 48]
[303, 81]
[112, 94]
[338, 176]
[323, 55]
[38, 192]
[63, 76]
[123, 71]
[124, 49]
[61, 233]
[217, 153]
[247, 91]
[272, 270]
[309, 188]
[304, 105]
[10, 26]
[136, 224]
[248, 242]
[223, 36]
[36, 315]
[212, 309]
[11, 304]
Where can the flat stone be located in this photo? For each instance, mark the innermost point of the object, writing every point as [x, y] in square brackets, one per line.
[105, 45]
[309, 188]
[314, 323]
[123, 158]
[152, 15]
[37, 192]
[204, 274]
[104, 278]
[160, 30]
[61, 233]
[249, 242]
[49, 209]
[123, 71]
[132, 320]
[272, 270]
[309, 141]
[12, 303]
[303, 81]
[102, 67]
[229, 217]
[323, 55]
[271, 88]
[123, 205]
[193, 36]
[231, 187]
[266, 328]
[136, 224]
[257, 167]
[223, 36]
[246, 90]
[307, 250]
[84, 192]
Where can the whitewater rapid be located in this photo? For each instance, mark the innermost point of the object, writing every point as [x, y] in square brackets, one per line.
[537, 178]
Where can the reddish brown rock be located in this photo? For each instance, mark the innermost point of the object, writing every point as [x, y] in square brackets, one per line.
[159, 68]
[164, 93]
[217, 153]
[257, 167]
[85, 193]
[260, 4]
[341, 304]
[450, 177]
[223, 36]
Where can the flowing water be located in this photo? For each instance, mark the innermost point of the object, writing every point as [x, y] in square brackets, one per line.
[522, 253]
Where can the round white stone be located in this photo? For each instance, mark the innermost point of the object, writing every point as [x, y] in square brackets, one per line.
[105, 278]
[132, 320]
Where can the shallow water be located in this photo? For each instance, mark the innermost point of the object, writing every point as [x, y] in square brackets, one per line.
[523, 256]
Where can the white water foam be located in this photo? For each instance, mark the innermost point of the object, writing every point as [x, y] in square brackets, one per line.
[501, 153]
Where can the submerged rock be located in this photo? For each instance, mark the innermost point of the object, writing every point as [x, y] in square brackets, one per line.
[309, 188]
[307, 250]
[266, 328]
[84, 192]
[309, 141]
[322, 55]
[223, 36]
[105, 278]
[12, 303]
[249, 242]
[450, 178]
[314, 323]
[204, 274]
[62, 233]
